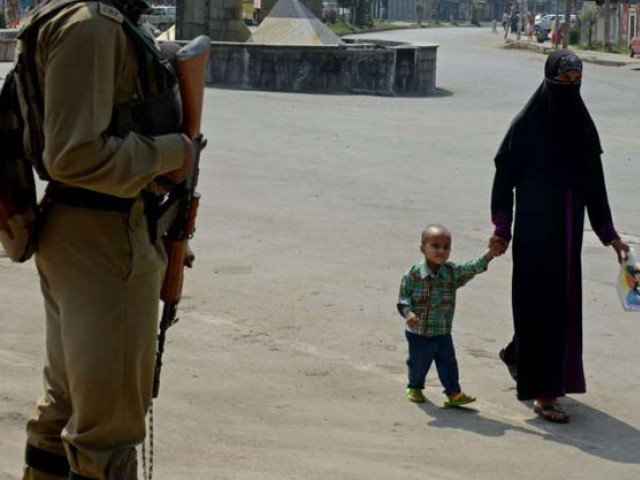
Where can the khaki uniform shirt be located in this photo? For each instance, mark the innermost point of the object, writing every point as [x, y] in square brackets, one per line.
[86, 64]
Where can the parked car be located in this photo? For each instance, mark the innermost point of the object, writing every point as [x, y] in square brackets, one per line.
[542, 26]
[634, 46]
[161, 17]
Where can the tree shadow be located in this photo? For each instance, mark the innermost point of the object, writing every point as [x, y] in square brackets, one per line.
[469, 419]
[594, 432]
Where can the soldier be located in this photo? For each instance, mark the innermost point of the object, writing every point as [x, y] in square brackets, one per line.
[110, 117]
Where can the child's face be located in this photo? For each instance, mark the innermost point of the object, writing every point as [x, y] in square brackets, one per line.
[437, 248]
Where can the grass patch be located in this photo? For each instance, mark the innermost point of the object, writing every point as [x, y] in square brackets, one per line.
[343, 28]
[597, 47]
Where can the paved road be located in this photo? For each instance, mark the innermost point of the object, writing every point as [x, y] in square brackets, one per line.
[288, 360]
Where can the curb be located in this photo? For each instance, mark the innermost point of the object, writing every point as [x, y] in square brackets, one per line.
[584, 56]
[408, 27]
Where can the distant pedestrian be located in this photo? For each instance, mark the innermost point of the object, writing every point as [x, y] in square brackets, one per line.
[514, 24]
[494, 26]
[427, 302]
[12, 13]
[530, 26]
[505, 21]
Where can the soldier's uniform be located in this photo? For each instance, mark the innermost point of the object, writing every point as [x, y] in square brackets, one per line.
[100, 273]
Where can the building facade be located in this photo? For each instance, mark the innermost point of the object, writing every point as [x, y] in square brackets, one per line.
[624, 18]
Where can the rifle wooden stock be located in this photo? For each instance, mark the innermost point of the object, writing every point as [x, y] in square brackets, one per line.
[191, 66]
[190, 227]
[174, 276]
[176, 249]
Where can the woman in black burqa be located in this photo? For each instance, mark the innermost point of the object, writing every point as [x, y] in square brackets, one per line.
[551, 158]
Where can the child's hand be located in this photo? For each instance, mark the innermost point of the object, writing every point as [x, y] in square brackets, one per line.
[412, 319]
[498, 246]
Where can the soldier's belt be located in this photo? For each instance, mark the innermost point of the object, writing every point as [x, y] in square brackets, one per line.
[82, 198]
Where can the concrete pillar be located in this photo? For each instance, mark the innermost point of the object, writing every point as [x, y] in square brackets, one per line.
[219, 19]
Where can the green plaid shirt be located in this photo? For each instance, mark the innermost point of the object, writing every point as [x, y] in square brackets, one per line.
[432, 296]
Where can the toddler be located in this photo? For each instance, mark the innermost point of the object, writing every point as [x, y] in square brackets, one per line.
[427, 302]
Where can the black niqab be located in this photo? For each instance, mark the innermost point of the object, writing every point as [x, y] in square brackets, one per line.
[558, 123]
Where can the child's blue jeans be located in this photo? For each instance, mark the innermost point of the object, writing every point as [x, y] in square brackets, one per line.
[423, 351]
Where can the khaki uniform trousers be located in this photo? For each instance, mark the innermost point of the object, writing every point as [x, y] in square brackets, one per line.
[101, 279]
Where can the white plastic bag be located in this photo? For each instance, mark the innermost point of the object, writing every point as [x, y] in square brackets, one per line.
[628, 284]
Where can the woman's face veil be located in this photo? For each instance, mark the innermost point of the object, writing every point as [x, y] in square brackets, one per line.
[557, 120]
[563, 68]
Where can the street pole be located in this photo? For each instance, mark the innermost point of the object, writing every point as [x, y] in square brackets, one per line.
[513, 7]
[555, 25]
[607, 26]
[567, 24]
[179, 19]
[519, 33]
[207, 17]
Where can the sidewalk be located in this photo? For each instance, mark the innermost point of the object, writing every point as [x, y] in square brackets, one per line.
[588, 56]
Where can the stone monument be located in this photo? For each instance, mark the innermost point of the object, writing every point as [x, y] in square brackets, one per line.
[221, 20]
[291, 22]
[314, 5]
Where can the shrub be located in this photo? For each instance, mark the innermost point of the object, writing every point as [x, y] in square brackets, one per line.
[574, 36]
[331, 16]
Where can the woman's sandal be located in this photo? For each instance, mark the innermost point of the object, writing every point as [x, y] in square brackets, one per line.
[551, 412]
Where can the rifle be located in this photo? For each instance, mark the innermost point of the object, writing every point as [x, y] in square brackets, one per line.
[177, 213]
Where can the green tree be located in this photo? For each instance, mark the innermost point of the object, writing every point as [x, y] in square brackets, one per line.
[589, 17]
[474, 12]
[419, 13]
[344, 4]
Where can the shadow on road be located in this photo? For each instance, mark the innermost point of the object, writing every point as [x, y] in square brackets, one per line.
[592, 431]
[437, 93]
[470, 419]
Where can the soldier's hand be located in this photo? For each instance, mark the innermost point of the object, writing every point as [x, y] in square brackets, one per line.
[179, 175]
[189, 257]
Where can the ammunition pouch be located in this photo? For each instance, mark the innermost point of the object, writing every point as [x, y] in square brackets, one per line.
[18, 205]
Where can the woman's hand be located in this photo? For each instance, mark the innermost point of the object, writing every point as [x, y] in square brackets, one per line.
[621, 249]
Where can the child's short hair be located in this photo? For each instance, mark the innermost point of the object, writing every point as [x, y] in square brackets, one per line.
[434, 229]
